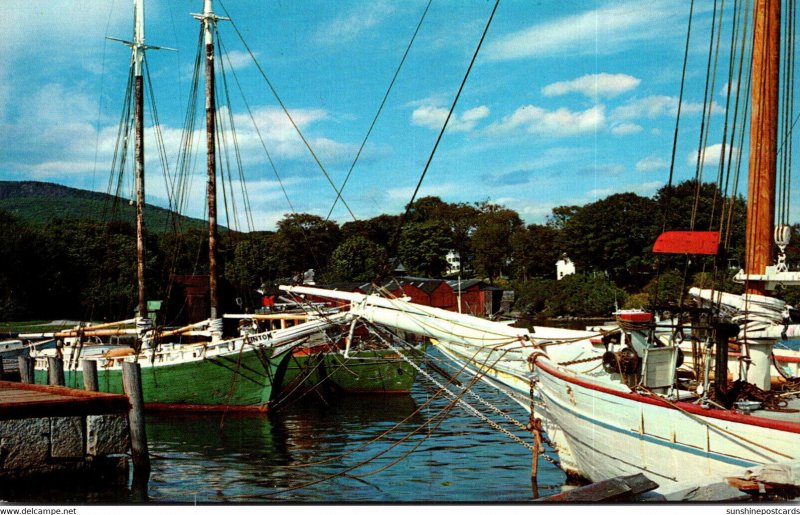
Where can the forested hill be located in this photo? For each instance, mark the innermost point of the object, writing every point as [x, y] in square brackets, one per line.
[40, 202]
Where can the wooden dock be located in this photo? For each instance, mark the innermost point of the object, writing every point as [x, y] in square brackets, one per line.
[53, 431]
[18, 400]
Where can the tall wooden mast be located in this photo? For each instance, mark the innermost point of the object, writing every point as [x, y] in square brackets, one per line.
[209, 21]
[211, 113]
[137, 60]
[138, 56]
[763, 140]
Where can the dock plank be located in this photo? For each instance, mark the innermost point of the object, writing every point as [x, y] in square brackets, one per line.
[614, 489]
[18, 400]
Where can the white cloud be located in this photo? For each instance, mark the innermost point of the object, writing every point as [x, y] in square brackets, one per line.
[56, 135]
[238, 59]
[605, 30]
[559, 122]
[350, 25]
[594, 85]
[623, 129]
[434, 117]
[281, 138]
[653, 106]
[646, 189]
[598, 193]
[80, 23]
[399, 197]
[651, 163]
[711, 155]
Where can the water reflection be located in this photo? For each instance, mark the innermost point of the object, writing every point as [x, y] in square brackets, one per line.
[333, 452]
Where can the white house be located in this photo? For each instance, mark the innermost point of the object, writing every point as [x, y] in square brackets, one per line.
[564, 267]
[453, 263]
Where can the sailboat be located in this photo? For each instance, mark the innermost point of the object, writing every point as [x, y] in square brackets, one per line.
[214, 373]
[613, 403]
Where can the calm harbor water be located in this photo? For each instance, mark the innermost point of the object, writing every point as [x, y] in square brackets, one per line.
[331, 451]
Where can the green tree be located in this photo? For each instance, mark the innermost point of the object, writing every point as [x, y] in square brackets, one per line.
[530, 296]
[254, 261]
[423, 248]
[357, 259]
[584, 296]
[561, 215]
[534, 251]
[306, 241]
[491, 241]
[20, 272]
[460, 219]
[379, 230]
[612, 235]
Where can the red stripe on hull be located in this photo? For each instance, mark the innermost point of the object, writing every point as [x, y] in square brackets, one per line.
[218, 408]
[753, 420]
[778, 357]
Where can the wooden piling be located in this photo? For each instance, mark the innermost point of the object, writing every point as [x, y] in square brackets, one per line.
[55, 371]
[89, 368]
[132, 383]
[26, 369]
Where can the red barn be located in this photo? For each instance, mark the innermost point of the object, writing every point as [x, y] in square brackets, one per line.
[421, 290]
[477, 297]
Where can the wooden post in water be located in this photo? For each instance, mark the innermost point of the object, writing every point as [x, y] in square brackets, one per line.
[89, 368]
[55, 371]
[132, 383]
[26, 369]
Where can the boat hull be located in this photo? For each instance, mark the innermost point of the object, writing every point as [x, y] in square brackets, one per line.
[238, 381]
[602, 430]
[611, 432]
[363, 371]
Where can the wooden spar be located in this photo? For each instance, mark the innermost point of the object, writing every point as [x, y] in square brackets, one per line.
[183, 330]
[138, 56]
[109, 324]
[209, 21]
[93, 332]
[763, 140]
[272, 316]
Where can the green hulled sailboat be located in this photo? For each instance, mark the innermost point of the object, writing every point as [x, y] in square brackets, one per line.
[210, 372]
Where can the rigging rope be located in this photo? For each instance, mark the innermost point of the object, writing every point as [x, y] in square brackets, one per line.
[708, 105]
[285, 110]
[380, 109]
[395, 238]
[735, 27]
[678, 118]
[428, 422]
[787, 106]
[100, 100]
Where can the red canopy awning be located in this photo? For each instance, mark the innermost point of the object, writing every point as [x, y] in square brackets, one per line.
[687, 242]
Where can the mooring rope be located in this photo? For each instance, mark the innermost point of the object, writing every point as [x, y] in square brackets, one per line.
[363, 462]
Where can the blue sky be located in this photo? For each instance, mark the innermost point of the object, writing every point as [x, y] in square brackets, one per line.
[568, 101]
